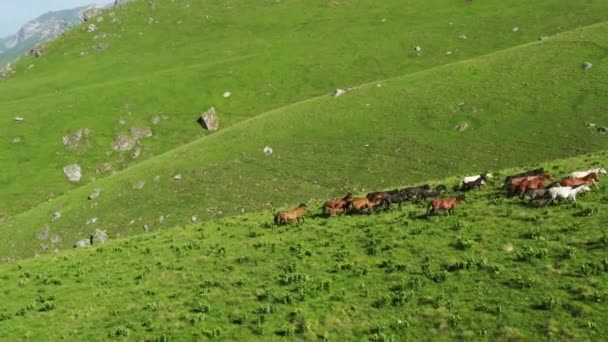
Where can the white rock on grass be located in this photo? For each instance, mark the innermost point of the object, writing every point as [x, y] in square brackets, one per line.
[55, 216]
[177, 177]
[462, 37]
[587, 66]
[91, 28]
[267, 150]
[193, 218]
[19, 119]
[96, 192]
[227, 94]
[99, 237]
[139, 185]
[82, 243]
[417, 49]
[73, 172]
[515, 29]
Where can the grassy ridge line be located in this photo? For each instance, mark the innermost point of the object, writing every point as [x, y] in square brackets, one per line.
[294, 59]
[498, 269]
[227, 171]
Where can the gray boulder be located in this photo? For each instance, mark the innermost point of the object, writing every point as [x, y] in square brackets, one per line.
[140, 132]
[209, 120]
[73, 172]
[587, 66]
[82, 243]
[124, 142]
[99, 237]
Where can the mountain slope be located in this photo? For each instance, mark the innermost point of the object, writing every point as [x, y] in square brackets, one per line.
[498, 269]
[175, 59]
[523, 105]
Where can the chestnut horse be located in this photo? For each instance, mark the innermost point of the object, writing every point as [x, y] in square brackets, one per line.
[534, 172]
[574, 182]
[283, 217]
[448, 204]
[337, 206]
[530, 184]
[365, 204]
[513, 187]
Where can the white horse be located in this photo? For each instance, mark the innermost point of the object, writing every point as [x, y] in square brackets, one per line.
[565, 192]
[470, 179]
[582, 174]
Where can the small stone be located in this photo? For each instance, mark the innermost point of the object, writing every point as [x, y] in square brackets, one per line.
[19, 119]
[139, 185]
[461, 127]
[193, 218]
[591, 124]
[339, 92]
[541, 38]
[91, 28]
[123, 142]
[55, 239]
[156, 119]
[146, 228]
[227, 94]
[16, 140]
[417, 49]
[267, 150]
[55, 216]
[82, 243]
[140, 132]
[105, 167]
[602, 130]
[136, 153]
[36, 52]
[515, 29]
[209, 120]
[122, 121]
[448, 53]
[177, 177]
[462, 37]
[587, 66]
[95, 194]
[99, 237]
[73, 172]
[92, 220]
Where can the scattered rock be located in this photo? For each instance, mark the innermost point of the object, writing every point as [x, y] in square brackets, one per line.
[591, 125]
[541, 38]
[99, 237]
[91, 28]
[19, 119]
[123, 142]
[55, 216]
[177, 177]
[602, 130]
[267, 150]
[6, 71]
[105, 167]
[209, 120]
[16, 140]
[140, 132]
[55, 239]
[82, 243]
[417, 49]
[587, 66]
[101, 47]
[136, 153]
[89, 14]
[156, 119]
[73, 172]
[515, 29]
[448, 53]
[83, 53]
[77, 141]
[227, 94]
[462, 37]
[95, 194]
[139, 185]
[122, 121]
[340, 92]
[462, 126]
[193, 218]
[43, 235]
[36, 52]
[146, 228]
[99, 20]
[92, 220]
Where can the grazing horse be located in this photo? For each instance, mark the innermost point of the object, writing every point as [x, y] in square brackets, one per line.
[282, 217]
[478, 183]
[534, 172]
[428, 193]
[486, 175]
[365, 205]
[414, 191]
[565, 192]
[337, 206]
[444, 204]
[587, 180]
[581, 174]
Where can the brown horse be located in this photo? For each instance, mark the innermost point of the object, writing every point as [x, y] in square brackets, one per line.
[513, 187]
[574, 182]
[337, 206]
[448, 204]
[365, 204]
[283, 217]
[533, 184]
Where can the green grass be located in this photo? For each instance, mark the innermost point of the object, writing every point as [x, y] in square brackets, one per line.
[268, 54]
[371, 138]
[498, 269]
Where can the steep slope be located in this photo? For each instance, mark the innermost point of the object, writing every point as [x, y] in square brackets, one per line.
[524, 105]
[174, 59]
[498, 269]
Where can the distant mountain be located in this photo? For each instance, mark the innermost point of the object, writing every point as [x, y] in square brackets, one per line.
[42, 29]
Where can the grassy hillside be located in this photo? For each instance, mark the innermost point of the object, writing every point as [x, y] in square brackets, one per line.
[498, 269]
[525, 105]
[176, 59]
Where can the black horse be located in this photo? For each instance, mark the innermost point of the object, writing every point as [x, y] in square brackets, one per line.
[413, 193]
[389, 197]
[429, 193]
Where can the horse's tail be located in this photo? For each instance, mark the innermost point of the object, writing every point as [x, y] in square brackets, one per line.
[277, 219]
[429, 208]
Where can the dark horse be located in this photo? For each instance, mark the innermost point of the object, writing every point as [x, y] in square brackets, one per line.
[429, 193]
[413, 193]
[389, 197]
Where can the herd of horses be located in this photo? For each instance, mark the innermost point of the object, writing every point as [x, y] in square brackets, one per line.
[529, 184]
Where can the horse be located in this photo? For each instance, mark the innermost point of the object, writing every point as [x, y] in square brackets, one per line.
[448, 204]
[536, 194]
[486, 175]
[534, 172]
[565, 192]
[361, 205]
[282, 217]
[582, 174]
[389, 197]
[478, 183]
[587, 180]
[515, 182]
[532, 184]
[428, 193]
[337, 206]
[414, 191]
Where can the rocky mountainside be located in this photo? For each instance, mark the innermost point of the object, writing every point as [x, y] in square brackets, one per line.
[42, 29]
